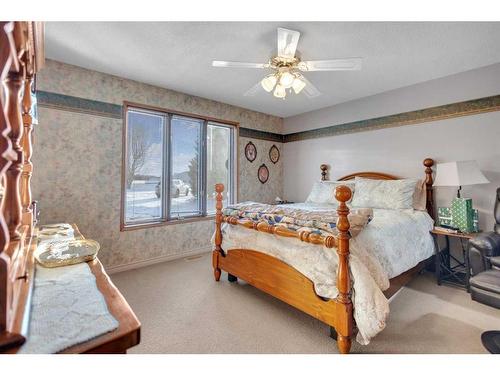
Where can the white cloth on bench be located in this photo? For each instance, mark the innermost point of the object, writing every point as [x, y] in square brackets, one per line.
[66, 309]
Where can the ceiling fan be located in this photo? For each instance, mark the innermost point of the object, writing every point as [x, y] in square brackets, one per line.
[287, 68]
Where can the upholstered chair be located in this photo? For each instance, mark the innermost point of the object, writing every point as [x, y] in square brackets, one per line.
[484, 257]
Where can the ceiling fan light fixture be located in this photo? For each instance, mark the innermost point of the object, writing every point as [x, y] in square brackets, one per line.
[279, 91]
[298, 85]
[287, 67]
[286, 79]
[269, 82]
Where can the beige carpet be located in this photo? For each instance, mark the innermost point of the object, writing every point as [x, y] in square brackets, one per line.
[183, 310]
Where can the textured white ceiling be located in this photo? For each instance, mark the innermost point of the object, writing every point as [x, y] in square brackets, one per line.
[178, 55]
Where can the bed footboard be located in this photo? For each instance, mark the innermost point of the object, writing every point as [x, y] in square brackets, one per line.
[284, 282]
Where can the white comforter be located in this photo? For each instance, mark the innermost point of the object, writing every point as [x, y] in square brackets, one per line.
[393, 242]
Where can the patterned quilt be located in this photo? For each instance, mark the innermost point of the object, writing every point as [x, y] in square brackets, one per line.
[321, 221]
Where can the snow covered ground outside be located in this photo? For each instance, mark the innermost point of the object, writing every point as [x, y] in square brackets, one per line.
[143, 204]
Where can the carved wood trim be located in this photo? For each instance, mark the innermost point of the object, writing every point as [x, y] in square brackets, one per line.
[21, 279]
[26, 196]
[21, 55]
[219, 188]
[13, 85]
[345, 317]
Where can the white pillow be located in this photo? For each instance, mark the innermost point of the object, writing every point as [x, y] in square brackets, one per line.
[324, 191]
[390, 194]
[420, 196]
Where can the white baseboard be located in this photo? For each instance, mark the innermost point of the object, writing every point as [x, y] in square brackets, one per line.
[148, 262]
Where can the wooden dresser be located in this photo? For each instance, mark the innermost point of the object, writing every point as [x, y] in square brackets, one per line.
[21, 57]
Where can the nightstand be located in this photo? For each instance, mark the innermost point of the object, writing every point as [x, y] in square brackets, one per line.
[448, 268]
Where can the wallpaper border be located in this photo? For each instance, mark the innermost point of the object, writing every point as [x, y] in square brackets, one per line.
[466, 108]
[442, 112]
[80, 105]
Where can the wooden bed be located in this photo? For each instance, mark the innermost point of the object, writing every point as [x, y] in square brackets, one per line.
[284, 282]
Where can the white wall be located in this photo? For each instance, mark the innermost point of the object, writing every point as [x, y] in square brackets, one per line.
[401, 150]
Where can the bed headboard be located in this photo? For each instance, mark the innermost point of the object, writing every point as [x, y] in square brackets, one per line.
[428, 163]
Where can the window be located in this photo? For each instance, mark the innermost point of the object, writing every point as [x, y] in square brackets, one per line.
[172, 162]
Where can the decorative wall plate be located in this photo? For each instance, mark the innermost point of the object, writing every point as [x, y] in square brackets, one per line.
[250, 152]
[274, 154]
[263, 173]
[63, 253]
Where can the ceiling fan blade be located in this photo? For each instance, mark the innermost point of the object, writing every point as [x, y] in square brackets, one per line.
[254, 90]
[336, 64]
[310, 90]
[287, 42]
[234, 64]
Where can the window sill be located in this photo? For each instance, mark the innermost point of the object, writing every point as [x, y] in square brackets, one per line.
[128, 227]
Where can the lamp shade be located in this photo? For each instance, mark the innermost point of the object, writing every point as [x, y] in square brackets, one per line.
[459, 173]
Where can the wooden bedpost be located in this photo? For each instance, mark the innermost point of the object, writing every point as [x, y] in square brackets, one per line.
[324, 169]
[428, 163]
[345, 321]
[219, 188]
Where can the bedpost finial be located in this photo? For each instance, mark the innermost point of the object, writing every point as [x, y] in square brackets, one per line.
[428, 162]
[324, 169]
[219, 188]
[343, 193]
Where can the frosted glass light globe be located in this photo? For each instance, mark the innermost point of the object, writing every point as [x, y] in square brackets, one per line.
[279, 91]
[286, 79]
[269, 82]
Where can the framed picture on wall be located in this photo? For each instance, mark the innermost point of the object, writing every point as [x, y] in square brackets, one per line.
[274, 154]
[263, 174]
[250, 152]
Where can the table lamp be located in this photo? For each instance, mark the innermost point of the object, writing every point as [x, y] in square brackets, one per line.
[459, 173]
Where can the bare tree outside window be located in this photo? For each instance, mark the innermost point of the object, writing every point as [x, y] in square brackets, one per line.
[185, 143]
[193, 170]
[138, 149]
[144, 166]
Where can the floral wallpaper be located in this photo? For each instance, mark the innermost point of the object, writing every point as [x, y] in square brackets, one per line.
[75, 81]
[77, 164]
